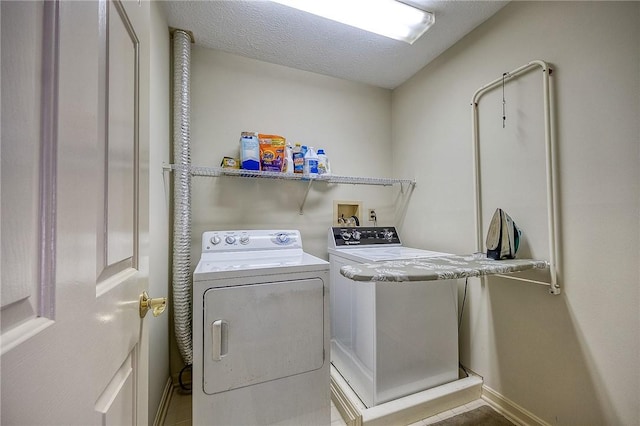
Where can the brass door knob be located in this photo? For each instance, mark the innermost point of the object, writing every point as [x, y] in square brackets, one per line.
[157, 305]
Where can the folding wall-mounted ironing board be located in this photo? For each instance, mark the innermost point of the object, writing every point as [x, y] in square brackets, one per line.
[477, 265]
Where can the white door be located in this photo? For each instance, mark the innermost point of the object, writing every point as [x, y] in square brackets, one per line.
[74, 215]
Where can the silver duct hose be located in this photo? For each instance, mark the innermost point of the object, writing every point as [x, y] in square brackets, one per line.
[182, 194]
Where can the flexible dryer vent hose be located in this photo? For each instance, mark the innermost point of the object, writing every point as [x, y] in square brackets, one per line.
[182, 194]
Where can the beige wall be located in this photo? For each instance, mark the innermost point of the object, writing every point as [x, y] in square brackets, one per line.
[573, 358]
[351, 121]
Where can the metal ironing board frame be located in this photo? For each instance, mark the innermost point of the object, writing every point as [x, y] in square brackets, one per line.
[551, 170]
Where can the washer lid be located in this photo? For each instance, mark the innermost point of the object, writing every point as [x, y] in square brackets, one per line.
[382, 253]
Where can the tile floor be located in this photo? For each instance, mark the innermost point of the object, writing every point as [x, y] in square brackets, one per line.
[453, 412]
[179, 413]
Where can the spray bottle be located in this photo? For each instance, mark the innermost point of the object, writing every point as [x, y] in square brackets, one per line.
[288, 163]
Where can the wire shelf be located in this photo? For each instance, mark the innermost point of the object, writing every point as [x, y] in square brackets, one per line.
[256, 174]
[335, 179]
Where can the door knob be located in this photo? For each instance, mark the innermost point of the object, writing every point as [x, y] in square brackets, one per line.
[157, 305]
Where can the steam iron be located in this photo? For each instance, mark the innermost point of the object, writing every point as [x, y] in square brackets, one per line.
[503, 236]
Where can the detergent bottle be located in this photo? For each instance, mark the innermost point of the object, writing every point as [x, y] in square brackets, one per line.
[311, 163]
[323, 163]
[298, 158]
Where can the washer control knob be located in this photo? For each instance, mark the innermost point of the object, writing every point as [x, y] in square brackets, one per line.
[355, 235]
[215, 240]
[230, 239]
[244, 239]
[282, 238]
[388, 235]
[345, 236]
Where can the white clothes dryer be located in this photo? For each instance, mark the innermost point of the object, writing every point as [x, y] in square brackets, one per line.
[388, 339]
[260, 331]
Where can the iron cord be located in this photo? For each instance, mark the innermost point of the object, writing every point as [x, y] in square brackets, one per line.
[464, 298]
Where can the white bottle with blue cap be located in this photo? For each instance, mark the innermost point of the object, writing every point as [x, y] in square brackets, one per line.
[311, 163]
[323, 163]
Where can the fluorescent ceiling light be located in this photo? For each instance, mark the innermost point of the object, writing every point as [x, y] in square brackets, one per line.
[389, 18]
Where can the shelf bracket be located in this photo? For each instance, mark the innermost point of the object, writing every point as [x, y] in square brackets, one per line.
[304, 199]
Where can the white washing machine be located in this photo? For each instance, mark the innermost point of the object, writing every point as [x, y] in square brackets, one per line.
[260, 331]
[389, 339]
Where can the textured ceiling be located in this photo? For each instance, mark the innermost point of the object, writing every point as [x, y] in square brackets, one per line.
[277, 34]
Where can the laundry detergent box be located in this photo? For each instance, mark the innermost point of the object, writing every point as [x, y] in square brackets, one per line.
[249, 151]
[272, 152]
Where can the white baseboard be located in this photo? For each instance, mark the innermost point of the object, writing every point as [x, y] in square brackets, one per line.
[406, 410]
[510, 409]
[346, 401]
[163, 408]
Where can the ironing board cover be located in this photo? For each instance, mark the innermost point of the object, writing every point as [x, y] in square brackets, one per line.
[438, 268]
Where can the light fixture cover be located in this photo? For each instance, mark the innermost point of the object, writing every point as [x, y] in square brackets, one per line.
[389, 18]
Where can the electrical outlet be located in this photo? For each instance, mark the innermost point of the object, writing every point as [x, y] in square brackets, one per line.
[372, 215]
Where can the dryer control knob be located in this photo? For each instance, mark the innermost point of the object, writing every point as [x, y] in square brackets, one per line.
[215, 240]
[282, 238]
[244, 239]
[230, 239]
